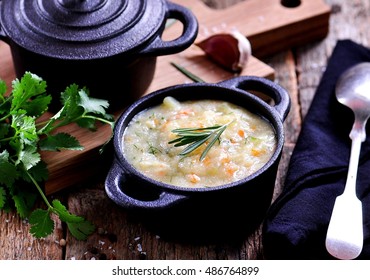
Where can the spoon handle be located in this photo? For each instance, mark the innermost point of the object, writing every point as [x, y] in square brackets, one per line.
[353, 163]
[344, 239]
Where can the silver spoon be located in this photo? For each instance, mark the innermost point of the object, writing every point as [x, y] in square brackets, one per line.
[344, 239]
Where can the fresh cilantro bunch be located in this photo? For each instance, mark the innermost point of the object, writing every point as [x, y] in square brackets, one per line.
[23, 135]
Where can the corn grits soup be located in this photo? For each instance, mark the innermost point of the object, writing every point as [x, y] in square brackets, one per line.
[244, 144]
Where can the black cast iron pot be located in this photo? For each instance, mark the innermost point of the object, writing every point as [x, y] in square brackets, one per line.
[130, 189]
[109, 46]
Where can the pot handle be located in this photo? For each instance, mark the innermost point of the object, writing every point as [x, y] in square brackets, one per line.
[190, 32]
[116, 176]
[265, 86]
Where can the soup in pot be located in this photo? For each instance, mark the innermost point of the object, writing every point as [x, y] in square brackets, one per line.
[229, 142]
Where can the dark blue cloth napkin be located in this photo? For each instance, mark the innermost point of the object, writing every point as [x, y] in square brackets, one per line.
[296, 224]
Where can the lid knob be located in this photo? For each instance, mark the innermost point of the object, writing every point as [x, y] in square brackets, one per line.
[82, 5]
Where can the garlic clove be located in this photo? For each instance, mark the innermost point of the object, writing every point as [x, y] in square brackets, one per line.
[245, 48]
[230, 50]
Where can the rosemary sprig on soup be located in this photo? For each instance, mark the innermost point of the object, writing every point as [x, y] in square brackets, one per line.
[225, 142]
[195, 137]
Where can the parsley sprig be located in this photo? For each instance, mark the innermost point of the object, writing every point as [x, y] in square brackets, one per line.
[195, 137]
[23, 135]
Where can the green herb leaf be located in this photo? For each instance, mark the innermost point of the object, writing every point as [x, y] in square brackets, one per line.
[29, 156]
[92, 105]
[24, 90]
[196, 137]
[25, 127]
[8, 173]
[59, 142]
[2, 197]
[21, 206]
[3, 89]
[81, 230]
[216, 137]
[39, 172]
[23, 202]
[63, 213]
[4, 130]
[23, 136]
[41, 223]
[38, 106]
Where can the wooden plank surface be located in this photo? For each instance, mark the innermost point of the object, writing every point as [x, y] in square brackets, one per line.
[271, 26]
[121, 235]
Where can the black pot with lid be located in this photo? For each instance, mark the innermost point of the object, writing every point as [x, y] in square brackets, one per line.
[109, 46]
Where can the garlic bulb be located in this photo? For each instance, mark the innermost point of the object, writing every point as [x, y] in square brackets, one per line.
[230, 50]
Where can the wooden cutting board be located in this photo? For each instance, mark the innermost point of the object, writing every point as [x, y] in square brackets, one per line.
[269, 26]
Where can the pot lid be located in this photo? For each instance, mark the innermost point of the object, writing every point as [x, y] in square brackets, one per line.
[81, 29]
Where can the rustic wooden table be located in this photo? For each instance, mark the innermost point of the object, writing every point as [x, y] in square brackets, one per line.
[120, 235]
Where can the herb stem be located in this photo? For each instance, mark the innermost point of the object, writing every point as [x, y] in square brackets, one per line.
[111, 123]
[39, 190]
[43, 123]
[66, 122]
[4, 118]
[187, 73]
[195, 137]
[7, 139]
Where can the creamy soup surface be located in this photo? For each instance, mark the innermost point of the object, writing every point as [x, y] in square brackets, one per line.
[246, 144]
